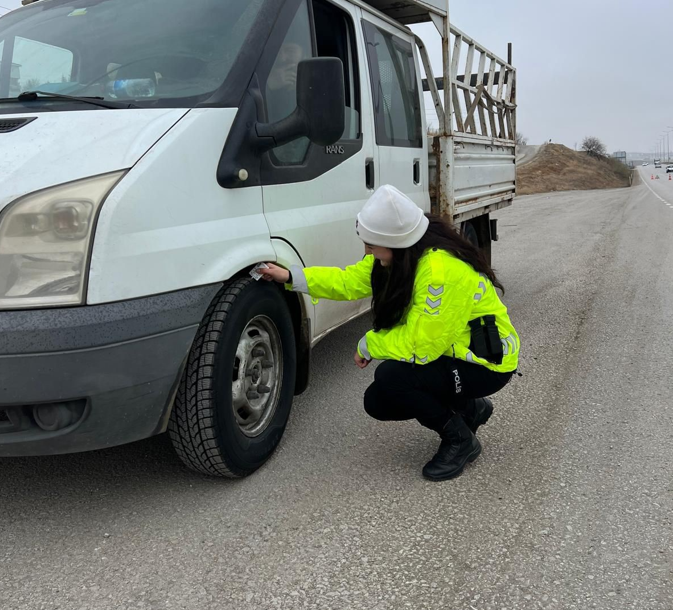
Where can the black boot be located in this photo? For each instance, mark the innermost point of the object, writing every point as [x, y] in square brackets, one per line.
[458, 447]
[477, 413]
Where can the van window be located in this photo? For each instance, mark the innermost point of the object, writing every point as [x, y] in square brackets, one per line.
[35, 63]
[334, 37]
[281, 86]
[160, 53]
[397, 109]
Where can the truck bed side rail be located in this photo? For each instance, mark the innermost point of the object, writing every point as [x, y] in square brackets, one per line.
[484, 94]
[473, 165]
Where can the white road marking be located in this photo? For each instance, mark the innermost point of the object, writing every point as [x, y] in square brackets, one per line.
[657, 196]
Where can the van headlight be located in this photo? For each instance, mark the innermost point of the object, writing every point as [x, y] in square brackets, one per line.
[45, 240]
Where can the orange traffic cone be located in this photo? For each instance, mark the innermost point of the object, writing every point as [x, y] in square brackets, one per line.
[652, 177]
[669, 176]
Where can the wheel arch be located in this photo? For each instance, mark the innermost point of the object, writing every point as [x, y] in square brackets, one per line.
[302, 312]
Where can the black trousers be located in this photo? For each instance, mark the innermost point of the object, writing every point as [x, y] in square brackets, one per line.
[430, 393]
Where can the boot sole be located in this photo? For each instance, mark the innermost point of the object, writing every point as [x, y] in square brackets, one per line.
[486, 415]
[456, 473]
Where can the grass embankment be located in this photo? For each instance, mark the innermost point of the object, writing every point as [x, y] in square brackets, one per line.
[557, 168]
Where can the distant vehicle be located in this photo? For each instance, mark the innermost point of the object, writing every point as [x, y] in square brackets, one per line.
[645, 164]
[669, 169]
[657, 165]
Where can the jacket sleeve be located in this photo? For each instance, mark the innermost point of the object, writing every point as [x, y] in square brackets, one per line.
[349, 284]
[439, 313]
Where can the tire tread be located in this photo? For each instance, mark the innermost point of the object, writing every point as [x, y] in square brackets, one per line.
[192, 426]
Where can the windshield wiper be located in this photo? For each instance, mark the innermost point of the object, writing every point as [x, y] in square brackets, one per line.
[31, 96]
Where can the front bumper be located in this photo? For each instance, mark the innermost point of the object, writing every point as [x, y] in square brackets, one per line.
[113, 368]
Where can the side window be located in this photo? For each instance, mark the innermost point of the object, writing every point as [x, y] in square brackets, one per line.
[397, 110]
[318, 28]
[37, 65]
[335, 35]
[281, 86]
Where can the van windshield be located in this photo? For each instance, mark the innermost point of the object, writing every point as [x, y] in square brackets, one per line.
[149, 52]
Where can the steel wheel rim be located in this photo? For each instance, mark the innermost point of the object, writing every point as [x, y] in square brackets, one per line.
[257, 376]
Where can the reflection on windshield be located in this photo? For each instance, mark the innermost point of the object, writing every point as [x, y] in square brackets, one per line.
[124, 50]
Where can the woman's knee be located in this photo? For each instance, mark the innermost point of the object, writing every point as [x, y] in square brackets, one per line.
[392, 374]
[384, 406]
[391, 380]
[373, 402]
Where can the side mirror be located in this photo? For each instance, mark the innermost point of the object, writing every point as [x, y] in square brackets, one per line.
[320, 112]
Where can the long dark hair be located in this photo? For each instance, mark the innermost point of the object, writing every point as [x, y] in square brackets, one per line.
[393, 286]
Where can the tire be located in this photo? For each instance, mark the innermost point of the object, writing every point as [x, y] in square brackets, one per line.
[235, 396]
[472, 231]
[470, 234]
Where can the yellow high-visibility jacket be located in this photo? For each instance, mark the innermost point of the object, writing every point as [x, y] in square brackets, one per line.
[448, 293]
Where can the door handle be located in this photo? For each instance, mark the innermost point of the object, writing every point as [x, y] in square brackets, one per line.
[370, 178]
[417, 171]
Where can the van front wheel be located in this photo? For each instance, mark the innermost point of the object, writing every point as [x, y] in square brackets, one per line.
[235, 396]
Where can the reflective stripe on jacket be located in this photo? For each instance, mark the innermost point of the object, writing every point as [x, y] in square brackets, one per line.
[448, 293]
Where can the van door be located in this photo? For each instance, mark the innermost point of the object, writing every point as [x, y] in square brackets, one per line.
[312, 194]
[399, 116]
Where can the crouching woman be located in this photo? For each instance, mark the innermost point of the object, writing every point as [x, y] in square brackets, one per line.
[443, 333]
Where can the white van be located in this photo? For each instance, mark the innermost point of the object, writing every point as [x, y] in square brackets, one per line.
[154, 151]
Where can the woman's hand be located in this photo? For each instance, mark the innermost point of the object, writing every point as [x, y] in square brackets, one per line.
[275, 274]
[360, 361]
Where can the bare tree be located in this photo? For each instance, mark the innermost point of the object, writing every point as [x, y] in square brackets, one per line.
[31, 84]
[594, 147]
[521, 140]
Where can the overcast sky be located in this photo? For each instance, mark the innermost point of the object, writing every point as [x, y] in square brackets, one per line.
[585, 67]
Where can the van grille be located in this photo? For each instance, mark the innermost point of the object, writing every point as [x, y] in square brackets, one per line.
[7, 125]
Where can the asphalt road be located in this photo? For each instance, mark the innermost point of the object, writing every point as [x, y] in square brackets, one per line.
[568, 507]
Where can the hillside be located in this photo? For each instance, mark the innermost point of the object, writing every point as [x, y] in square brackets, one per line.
[557, 168]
